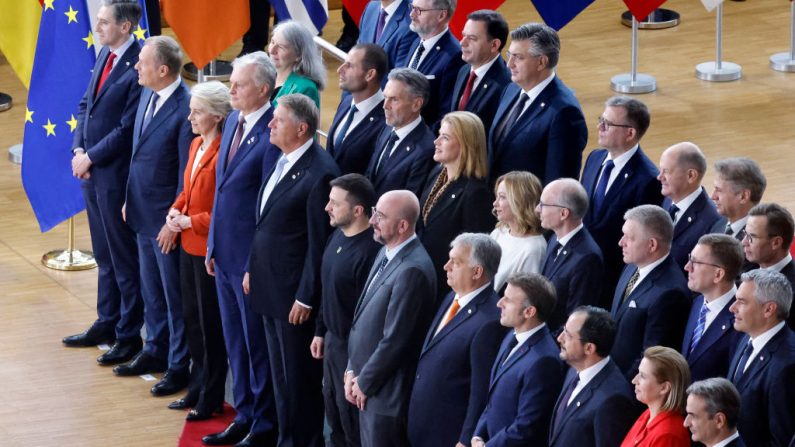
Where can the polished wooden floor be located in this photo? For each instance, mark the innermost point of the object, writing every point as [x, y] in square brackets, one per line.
[59, 396]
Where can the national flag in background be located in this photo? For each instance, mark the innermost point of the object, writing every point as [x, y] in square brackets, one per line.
[464, 7]
[19, 26]
[140, 31]
[711, 4]
[311, 13]
[355, 8]
[557, 13]
[61, 70]
[642, 8]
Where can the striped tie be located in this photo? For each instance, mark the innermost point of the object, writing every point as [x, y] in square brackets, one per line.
[698, 331]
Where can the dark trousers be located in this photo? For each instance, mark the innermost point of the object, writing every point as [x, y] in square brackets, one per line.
[120, 307]
[379, 430]
[297, 383]
[256, 37]
[153, 17]
[203, 333]
[341, 415]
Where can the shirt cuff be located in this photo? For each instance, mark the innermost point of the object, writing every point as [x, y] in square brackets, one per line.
[303, 305]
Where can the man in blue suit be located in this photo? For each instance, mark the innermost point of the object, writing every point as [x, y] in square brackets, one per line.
[403, 154]
[482, 80]
[246, 154]
[682, 168]
[617, 178]
[764, 365]
[102, 147]
[435, 53]
[709, 338]
[573, 262]
[284, 269]
[597, 406]
[713, 407]
[386, 23]
[539, 126]
[161, 138]
[526, 376]
[453, 372]
[651, 300]
[360, 115]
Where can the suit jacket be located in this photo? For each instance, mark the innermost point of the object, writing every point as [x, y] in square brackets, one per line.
[440, 66]
[354, 153]
[767, 391]
[485, 97]
[600, 414]
[396, 38]
[296, 83]
[453, 372]
[789, 272]
[409, 164]
[713, 353]
[196, 198]
[522, 393]
[159, 156]
[720, 227]
[577, 274]
[653, 314]
[547, 139]
[696, 221]
[290, 235]
[389, 324]
[234, 214]
[739, 442]
[105, 120]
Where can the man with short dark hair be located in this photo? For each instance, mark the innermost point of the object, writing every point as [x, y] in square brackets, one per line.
[713, 406]
[526, 376]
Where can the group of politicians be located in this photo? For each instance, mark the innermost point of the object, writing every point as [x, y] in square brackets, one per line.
[444, 272]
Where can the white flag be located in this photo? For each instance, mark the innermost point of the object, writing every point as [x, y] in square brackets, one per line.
[711, 4]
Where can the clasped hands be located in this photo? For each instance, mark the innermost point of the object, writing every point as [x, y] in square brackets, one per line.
[353, 393]
[81, 165]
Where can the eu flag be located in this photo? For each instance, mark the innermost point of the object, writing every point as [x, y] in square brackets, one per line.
[557, 13]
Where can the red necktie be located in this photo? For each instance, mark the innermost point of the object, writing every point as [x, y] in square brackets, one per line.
[106, 71]
[467, 91]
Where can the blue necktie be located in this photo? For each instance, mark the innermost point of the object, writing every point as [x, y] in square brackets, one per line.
[150, 112]
[417, 56]
[381, 267]
[601, 188]
[739, 371]
[672, 212]
[511, 119]
[698, 331]
[386, 152]
[272, 181]
[564, 403]
[345, 126]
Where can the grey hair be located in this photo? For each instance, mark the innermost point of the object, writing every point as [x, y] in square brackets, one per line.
[125, 11]
[689, 156]
[167, 52]
[446, 5]
[484, 251]
[415, 82]
[303, 109]
[572, 195]
[543, 40]
[720, 396]
[214, 95]
[638, 113]
[743, 173]
[656, 222]
[771, 287]
[301, 40]
[264, 71]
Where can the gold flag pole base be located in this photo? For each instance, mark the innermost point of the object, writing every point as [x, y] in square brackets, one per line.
[70, 259]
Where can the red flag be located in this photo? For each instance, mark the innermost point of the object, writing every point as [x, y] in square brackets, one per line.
[355, 8]
[642, 8]
[463, 9]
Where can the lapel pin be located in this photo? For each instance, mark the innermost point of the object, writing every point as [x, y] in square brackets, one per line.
[408, 149]
[293, 176]
[761, 358]
[542, 105]
[723, 328]
[485, 85]
[438, 48]
[127, 63]
[339, 249]
[565, 252]
[453, 196]
[371, 118]
[689, 219]
[469, 311]
[578, 403]
[626, 175]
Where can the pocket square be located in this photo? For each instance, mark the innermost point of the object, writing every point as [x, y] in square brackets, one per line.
[632, 304]
[430, 77]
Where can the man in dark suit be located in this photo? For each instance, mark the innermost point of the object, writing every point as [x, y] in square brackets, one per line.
[573, 262]
[764, 365]
[768, 236]
[539, 126]
[245, 155]
[651, 300]
[360, 115]
[682, 168]
[161, 138]
[482, 80]
[404, 150]
[709, 338]
[453, 372]
[389, 323]
[526, 376]
[102, 147]
[617, 178]
[435, 53]
[713, 406]
[597, 406]
[386, 23]
[284, 268]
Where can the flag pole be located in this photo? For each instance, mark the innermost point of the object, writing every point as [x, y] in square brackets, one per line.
[5, 101]
[786, 61]
[219, 70]
[718, 70]
[70, 259]
[660, 18]
[633, 82]
[15, 151]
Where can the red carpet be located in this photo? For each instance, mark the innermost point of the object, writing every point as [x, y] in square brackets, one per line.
[192, 432]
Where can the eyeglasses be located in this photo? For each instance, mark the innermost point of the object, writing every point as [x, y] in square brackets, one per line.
[519, 56]
[417, 10]
[541, 205]
[567, 335]
[752, 237]
[379, 216]
[694, 262]
[606, 125]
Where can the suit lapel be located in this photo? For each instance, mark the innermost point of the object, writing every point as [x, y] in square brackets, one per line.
[162, 114]
[691, 214]
[209, 153]
[524, 348]
[392, 25]
[289, 179]
[640, 289]
[402, 150]
[451, 195]
[228, 132]
[371, 288]
[538, 106]
[722, 323]
[342, 109]
[760, 361]
[125, 63]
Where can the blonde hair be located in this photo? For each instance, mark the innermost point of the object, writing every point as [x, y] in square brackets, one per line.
[669, 366]
[524, 193]
[471, 135]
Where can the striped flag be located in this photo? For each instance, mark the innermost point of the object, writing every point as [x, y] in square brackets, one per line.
[557, 13]
[311, 13]
[711, 4]
[642, 8]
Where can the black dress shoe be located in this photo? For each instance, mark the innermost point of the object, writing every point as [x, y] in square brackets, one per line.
[233, 434]
[266, 439]
[198, 414]
[182, 404]
[121, 351]
[95, 335]
[142, 363]
[171, 383]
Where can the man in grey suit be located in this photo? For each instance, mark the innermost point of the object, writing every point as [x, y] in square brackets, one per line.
[390, 322]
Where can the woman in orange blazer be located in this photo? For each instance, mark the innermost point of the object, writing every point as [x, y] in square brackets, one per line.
[190, 215]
